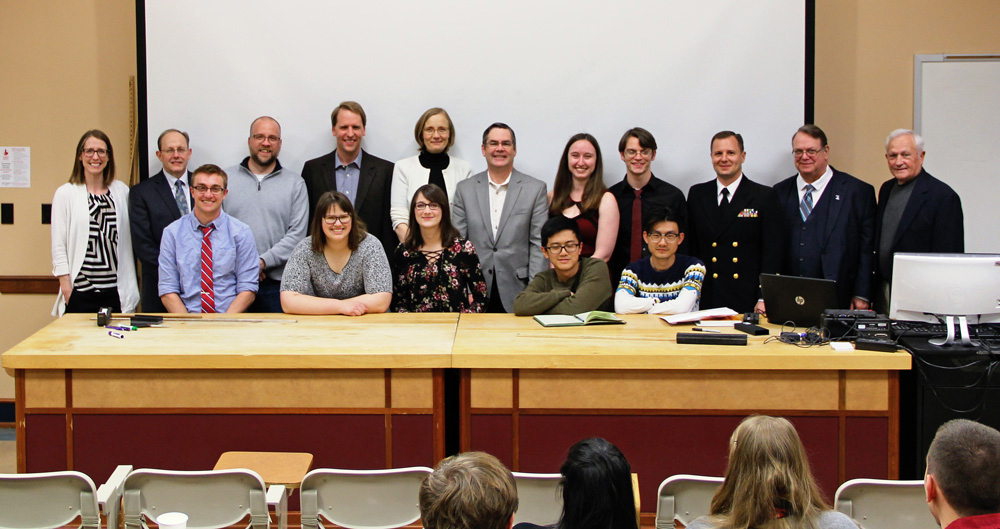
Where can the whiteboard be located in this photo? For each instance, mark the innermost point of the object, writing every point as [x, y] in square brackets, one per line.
[683, 70]
[957, 111]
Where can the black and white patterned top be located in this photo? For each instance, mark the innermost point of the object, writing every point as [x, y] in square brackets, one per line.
[100, 264]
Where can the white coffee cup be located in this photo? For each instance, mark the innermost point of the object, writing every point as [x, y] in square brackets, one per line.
[172, 520]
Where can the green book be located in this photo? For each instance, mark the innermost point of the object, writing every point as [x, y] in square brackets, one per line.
[594, 317]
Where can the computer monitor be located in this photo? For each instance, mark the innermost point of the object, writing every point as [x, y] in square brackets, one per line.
[955, 287]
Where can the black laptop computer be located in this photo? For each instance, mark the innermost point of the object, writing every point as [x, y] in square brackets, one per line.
[800, 300]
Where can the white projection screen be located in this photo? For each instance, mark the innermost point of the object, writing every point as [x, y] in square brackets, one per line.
[683, 70]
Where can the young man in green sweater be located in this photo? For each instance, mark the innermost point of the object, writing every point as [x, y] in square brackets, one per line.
[574, 284]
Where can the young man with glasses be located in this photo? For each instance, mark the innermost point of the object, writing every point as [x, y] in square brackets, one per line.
[573, 284]
[156, 202]
[639, 194]
[829, 221]
[664, 282]
[734, 227]
[208, 260]
[272, 200]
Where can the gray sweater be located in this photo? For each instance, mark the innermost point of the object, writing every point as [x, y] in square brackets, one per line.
[276, 209]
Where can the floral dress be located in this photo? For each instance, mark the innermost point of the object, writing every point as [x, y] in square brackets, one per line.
[440, 281]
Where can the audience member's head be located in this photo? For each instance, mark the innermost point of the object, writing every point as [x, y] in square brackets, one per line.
[468, 491]
[963, 471]
[767, 477]
[597, 488]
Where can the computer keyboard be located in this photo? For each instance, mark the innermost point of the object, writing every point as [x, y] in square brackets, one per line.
[920, 329]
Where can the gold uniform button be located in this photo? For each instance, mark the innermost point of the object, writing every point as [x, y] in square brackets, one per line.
[736, 276]
[736, 260]
[714, 245]
[714, 259]
[735, 244]
[715, 276]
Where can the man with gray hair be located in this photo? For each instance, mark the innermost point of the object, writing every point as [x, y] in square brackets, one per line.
[473, 490]
[916, 212]
[962, 483]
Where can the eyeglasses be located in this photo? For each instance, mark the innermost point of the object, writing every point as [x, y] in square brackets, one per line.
[570, 247]
[420, 206]
[493, 144]
[632, 153]
[342, 219]
[655, 236]
[172, 151]
[441, 131]
[811, 152]
[262, 137]
[89, 153]
[215, 190]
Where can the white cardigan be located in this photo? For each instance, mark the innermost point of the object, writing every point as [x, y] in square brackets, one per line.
[409, 175]
[70, 231]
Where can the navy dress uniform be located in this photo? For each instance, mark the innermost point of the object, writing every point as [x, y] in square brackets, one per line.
[737, 242]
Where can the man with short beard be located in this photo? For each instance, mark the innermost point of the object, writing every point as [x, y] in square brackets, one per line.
[272, 200]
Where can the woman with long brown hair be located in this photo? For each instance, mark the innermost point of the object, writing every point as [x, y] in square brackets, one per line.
[579, 193]
[768, 483]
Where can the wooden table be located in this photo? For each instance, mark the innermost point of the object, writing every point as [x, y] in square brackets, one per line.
[368, 393]
[361, 392]
[529, 392]
[275, 468]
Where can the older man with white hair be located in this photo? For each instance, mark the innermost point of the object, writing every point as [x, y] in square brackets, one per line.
[916, 212]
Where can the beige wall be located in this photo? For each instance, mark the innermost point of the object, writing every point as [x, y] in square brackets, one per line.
[65, 68]
[864, 68]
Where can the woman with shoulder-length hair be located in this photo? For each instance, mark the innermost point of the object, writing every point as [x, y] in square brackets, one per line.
[436, 269]
[340, 268]
[596, 488]
[435, 134]
[91, 239]
[768, 483]
[579, 193]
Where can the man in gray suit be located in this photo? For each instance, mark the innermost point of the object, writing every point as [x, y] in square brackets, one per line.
[501, 210]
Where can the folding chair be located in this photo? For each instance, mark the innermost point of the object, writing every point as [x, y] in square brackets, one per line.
[48, 499]
[885, 503]
[684, 497]
[361, 499]
[210, 498]
[539, 498]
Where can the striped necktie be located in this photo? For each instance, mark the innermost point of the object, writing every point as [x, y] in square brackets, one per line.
[207, 283]
[806, 207]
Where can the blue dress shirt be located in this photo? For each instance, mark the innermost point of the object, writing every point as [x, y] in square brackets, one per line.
[235, 261]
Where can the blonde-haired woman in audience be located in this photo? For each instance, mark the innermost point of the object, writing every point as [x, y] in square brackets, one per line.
[768, 483]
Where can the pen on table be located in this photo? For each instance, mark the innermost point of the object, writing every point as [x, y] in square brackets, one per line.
[706, 330]
[116, 334]
[121, 328]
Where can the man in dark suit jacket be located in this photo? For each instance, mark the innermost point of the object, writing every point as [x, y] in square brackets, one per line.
[156, 202]
[734, 227]
[916, 212]
[829, 221]
[364, 178]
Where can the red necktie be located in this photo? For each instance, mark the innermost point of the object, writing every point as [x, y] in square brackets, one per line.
[207, 284]
[636, 250]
